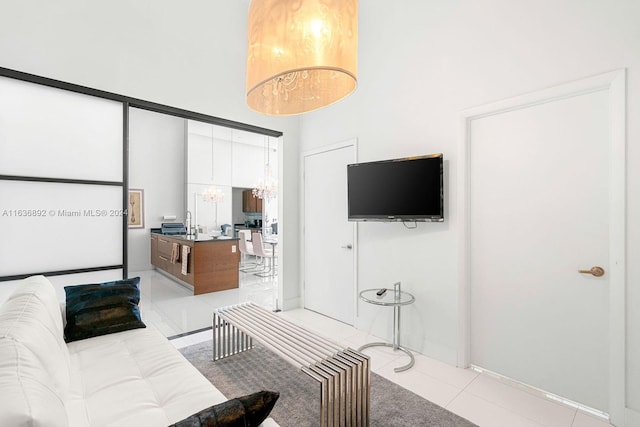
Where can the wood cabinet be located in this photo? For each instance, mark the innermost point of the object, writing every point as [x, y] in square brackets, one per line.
[154, 247]
[212, 265]
[251, 204]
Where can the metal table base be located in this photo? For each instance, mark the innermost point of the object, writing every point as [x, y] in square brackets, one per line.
[386, 344]
[397, 302]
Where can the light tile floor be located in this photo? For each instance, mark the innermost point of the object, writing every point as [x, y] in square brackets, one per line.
[174, 310]
[480, 397]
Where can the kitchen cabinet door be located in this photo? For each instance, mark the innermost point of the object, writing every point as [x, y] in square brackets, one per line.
[250, 204]
[199, 160]
[247, 165]
[221, 162]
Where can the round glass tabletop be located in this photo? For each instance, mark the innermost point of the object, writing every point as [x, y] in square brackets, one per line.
[390, 297]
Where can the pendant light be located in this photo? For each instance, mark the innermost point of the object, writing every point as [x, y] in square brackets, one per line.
[266, 189]
[302, 54]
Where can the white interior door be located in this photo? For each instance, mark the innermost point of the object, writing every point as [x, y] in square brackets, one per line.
[539, 182]
[328, 236]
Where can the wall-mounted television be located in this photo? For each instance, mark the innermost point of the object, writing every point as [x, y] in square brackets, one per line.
[407, 189]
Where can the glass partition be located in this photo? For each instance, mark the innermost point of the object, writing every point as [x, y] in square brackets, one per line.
[54, 133]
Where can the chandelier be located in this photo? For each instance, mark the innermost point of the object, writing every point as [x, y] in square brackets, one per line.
[267, 187]
[301, 55]
[213, 195]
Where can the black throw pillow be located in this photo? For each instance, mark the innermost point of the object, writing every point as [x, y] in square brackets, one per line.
[102, 308]
[246, 411]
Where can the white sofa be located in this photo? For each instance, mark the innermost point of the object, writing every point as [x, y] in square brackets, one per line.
[132, 378]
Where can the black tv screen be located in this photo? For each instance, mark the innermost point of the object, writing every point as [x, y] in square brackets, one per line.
[408, 189]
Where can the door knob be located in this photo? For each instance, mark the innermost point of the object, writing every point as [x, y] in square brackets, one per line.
[595, 271]
[347, 246]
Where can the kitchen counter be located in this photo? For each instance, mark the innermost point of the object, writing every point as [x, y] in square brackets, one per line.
[198, 238]
[244, 227]
[211, 262]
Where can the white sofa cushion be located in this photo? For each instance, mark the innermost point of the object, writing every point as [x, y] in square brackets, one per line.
[134, 378]
[41, 288]
[28, 395]
[31, 315]
[34, 361]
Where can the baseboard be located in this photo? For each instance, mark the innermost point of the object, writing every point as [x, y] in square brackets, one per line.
[186, 334]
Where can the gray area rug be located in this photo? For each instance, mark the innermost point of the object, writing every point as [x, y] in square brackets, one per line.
[298, 405]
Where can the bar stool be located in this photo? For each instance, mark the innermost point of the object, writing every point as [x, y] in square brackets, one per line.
[261, 251]
[246, 249]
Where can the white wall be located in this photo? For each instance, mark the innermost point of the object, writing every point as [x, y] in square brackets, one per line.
[420, 64]
[156, 165]
[191, 57]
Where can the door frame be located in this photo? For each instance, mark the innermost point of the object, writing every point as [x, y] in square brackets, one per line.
[324, 149]
[615, 83]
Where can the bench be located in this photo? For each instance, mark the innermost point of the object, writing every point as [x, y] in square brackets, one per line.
[343, 373]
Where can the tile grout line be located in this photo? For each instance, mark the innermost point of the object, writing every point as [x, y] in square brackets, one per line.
[575, 415]
[532, 392]
[511, 410]
[461, 391]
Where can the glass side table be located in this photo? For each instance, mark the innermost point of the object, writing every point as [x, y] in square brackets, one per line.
[395, 298]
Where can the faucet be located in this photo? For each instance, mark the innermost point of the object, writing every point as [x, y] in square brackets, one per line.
[188, 221]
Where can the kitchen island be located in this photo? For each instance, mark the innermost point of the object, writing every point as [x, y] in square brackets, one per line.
[208, 264]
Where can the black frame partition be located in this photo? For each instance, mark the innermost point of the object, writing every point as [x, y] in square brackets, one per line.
[125, 188]
[127, 103]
